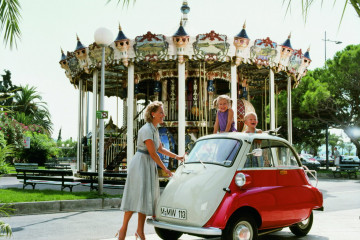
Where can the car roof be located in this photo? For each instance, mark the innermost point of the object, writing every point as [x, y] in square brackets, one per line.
[244, 136]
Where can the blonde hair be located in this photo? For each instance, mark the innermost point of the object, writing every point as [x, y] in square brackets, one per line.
[152, 107]
[221, 97]
[247, 115]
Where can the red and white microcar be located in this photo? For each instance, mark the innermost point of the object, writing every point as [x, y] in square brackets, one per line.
[237, 186]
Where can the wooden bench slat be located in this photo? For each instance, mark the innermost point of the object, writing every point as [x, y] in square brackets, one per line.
[350, 169]
[46, 176]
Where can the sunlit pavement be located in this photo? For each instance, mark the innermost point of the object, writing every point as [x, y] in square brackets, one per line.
[337, 225]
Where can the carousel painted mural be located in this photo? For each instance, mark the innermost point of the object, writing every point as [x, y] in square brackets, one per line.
[186, 73]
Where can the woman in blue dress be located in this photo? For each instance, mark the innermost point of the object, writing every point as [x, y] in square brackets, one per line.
[142, 190]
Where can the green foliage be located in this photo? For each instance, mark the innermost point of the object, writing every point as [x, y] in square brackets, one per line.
[5, 229]
[308, 132]
[9, 21]
[326, 97]
[2, 140]
[30, 108]
[14, 131]
[68, 148]
[306, 5]
[334, 140]
[5, 152]
[42, 148]
[7, 90]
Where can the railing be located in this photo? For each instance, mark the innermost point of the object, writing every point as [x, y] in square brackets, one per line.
[115, 148]
[194, 111]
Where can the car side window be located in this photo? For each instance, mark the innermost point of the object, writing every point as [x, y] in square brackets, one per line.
[265, 160]
[283, 155]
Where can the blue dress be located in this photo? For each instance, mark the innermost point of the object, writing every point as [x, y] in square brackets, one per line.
[142, 190]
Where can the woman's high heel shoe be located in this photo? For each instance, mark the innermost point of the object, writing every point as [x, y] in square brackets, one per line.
[137, 236]
[117, 235]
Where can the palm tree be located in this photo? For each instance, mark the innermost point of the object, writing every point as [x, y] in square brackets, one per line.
[125, 2]
[306, 4]
[9, 21]
[30, 109]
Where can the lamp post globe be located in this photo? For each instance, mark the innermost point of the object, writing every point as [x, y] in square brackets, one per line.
[103, 36]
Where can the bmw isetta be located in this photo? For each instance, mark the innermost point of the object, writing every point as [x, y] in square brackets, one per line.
[237, 186]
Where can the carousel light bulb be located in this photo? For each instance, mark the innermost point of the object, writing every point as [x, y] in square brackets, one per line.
[103, 36]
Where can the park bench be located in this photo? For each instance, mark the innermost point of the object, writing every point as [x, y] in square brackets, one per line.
[348, 169]
[57, 166]
[26, 165]
[114, 180]
[45, 176]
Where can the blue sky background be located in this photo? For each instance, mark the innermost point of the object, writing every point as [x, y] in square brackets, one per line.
[48, 25]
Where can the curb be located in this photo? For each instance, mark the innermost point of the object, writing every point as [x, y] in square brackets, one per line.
[28, 208]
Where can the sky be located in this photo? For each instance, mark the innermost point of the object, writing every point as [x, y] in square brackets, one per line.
[48, 26]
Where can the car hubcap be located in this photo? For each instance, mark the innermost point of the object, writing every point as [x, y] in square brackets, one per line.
[303, 224]
[243, 231]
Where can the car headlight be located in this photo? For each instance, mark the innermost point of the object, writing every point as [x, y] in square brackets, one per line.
[240, 179]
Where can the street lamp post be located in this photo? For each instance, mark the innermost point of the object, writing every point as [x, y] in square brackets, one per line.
[103, 37]
[327, 125]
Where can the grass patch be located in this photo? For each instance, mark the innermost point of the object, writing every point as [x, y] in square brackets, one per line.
[12, 195]
[13, 171]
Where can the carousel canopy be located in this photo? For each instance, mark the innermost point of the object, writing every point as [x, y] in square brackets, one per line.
[155, 55]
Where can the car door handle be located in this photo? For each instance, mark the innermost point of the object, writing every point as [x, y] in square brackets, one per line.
[186, 171]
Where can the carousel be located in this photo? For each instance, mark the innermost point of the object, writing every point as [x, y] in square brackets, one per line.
[186, 73]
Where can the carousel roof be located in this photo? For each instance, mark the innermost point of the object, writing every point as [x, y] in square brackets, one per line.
[156, 56]
[121, 35]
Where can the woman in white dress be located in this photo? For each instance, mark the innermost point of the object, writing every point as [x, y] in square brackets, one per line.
[142, 190]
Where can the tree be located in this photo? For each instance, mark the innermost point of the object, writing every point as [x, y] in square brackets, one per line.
[9, 21]
[342, 146]
[336, 99]
[349, 147]
[59, 136]
[334, 140]
[30, 109]
[308, 132]
[42, 148]
[7, 90]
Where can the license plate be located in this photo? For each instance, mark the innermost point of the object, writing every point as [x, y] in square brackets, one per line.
[173, 213]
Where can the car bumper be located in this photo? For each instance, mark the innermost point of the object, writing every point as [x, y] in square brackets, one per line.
[185, 229]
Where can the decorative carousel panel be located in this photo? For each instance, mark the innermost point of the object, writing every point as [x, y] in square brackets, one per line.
[295, 61]
[263, 51]
[95, 54]
[151, 47]
[211, 47]
[73, 63]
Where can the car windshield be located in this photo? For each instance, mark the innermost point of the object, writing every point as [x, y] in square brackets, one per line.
[220, 151]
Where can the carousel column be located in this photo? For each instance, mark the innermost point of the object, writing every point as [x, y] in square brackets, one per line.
[234, 89]
[181, 103]
[94, 130]
[157, 86]
[130, 114]
[80, 127]
[289, 113]
[272, 99]
[164, 96]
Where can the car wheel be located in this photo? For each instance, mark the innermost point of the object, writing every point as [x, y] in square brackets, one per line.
[241, 228]
[167, 234]
[302, 228]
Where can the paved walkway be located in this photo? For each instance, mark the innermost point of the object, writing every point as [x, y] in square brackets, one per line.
[339, 221]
